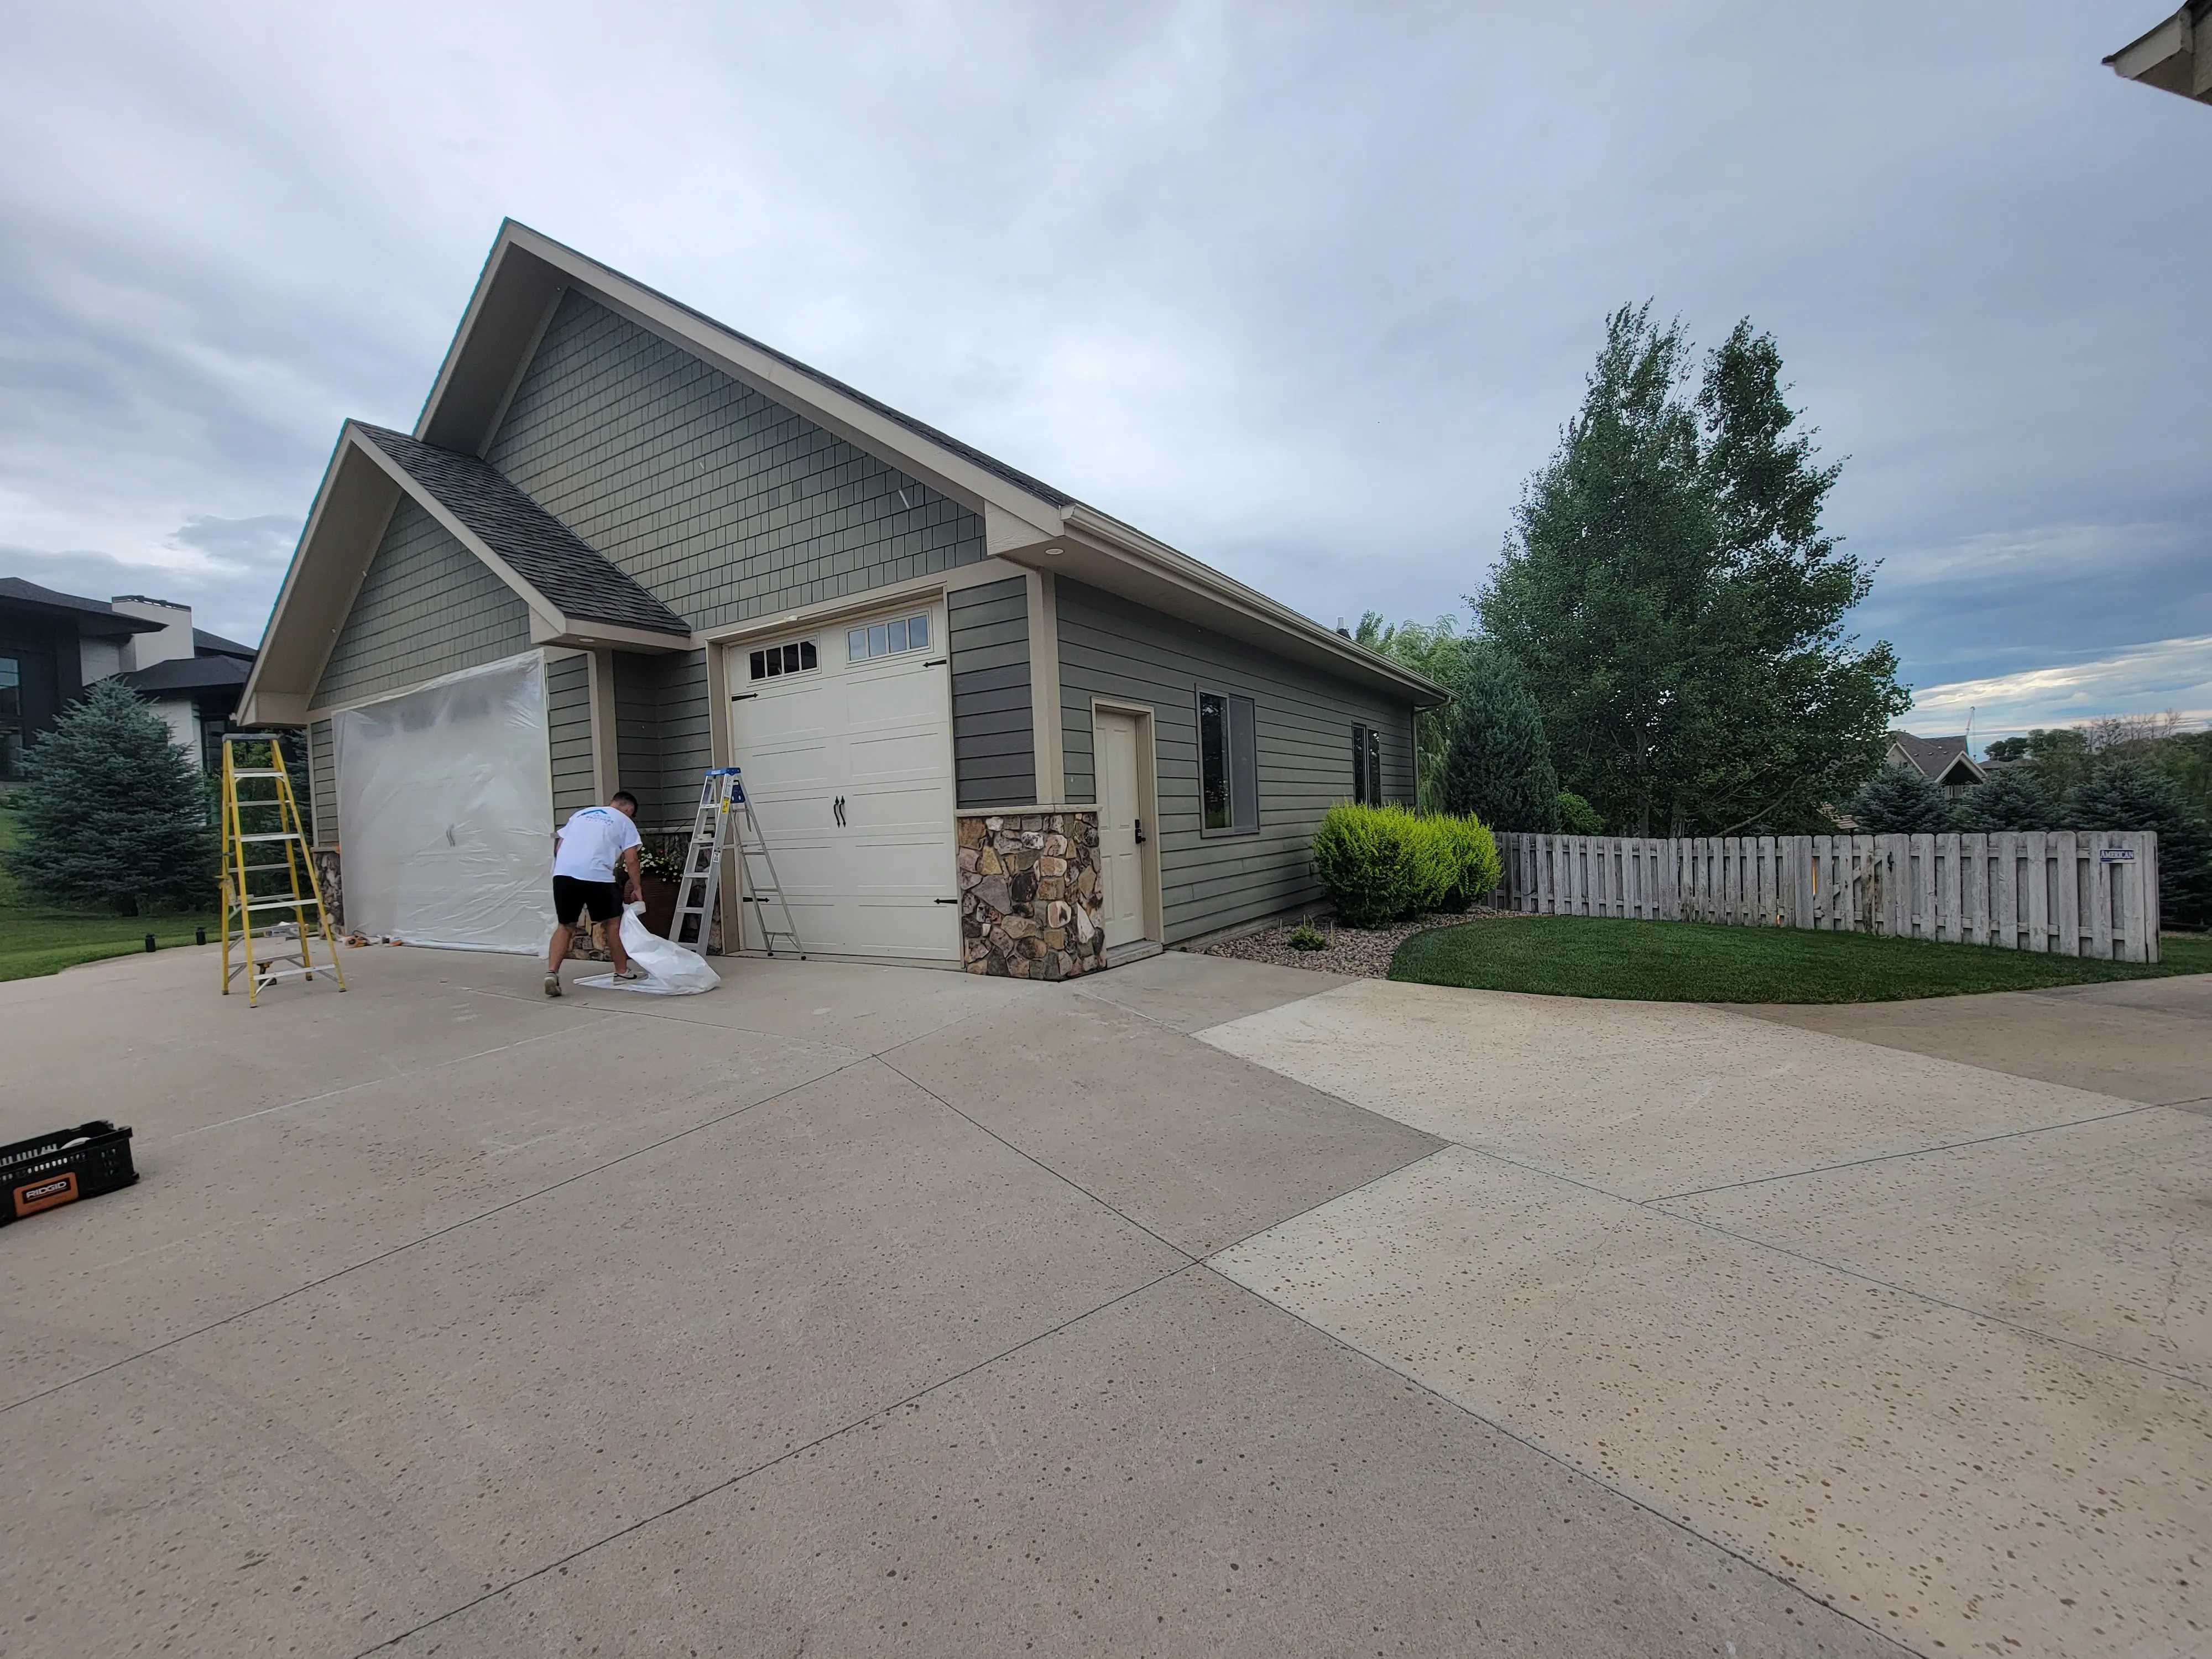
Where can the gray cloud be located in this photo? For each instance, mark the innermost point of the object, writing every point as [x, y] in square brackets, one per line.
[1306, 290]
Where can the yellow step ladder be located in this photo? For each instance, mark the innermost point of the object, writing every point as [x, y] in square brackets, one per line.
[256, 825]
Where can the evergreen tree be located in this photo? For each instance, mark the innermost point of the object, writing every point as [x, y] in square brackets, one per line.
[115, 813]
[2133, 794]
[1499, 766]
[1677, 606]
[2012, 798]
[1898, 801]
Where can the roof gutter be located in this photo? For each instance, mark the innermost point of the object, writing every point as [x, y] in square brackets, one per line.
[2175, 56]
[1181, 569]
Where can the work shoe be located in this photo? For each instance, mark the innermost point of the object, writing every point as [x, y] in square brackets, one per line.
[631, 972]
[552, 985]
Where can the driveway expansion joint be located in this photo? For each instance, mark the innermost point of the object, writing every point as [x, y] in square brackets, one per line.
[872, 1415]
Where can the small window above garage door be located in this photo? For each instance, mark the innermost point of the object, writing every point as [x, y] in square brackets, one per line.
[792, 657]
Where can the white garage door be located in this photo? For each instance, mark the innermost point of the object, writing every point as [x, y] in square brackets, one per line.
[845, 736]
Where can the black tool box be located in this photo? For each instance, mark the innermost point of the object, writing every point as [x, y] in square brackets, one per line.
[62, 1167]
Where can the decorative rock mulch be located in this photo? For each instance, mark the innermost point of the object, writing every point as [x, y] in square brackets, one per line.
[1359, 953]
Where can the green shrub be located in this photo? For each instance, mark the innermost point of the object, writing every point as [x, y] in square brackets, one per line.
[1306, 937]
[1381, 864]
[1577, 817]
[1476, 865]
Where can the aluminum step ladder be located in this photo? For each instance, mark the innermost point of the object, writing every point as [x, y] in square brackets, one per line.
[262, 823]
[725, 813]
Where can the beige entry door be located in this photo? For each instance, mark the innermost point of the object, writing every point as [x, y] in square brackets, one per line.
[1121, 804]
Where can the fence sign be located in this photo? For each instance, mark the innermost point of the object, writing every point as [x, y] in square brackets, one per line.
[2085, 893]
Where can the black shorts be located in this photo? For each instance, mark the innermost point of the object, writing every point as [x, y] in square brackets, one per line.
[572, 898]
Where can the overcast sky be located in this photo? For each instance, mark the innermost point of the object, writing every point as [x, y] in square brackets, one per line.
[1305, 291]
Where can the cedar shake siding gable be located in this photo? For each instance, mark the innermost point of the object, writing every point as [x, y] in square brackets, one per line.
[724, 504]
[427, 606]
[1113, 649]
[568, 729]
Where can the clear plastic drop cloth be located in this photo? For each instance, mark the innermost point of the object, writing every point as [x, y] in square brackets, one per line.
[670, 970]
[445, 810]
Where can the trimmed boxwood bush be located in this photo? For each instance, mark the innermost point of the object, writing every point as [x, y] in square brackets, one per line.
[1381, 863]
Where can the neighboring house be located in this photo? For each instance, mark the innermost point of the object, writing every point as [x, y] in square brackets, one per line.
[920, 655]
[1944, 762]
[53, 645]
[192, 678]
[2175, 56]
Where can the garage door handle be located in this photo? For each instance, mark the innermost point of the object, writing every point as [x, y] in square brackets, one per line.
[839, 810]
[937, 662]
[945, 901]
[742, 696]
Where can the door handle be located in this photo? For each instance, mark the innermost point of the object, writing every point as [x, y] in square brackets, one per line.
[1140, 832]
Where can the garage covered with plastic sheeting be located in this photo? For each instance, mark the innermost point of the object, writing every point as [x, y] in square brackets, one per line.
[446, 798]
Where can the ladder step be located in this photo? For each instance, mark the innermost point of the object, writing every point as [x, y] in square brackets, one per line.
[274, 835]
[305, 902]
[259, 772]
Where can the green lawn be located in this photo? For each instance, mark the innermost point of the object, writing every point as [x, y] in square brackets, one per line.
[37, 938]
[1697, 961]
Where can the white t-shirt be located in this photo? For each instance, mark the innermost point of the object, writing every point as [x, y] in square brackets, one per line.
[592, 842]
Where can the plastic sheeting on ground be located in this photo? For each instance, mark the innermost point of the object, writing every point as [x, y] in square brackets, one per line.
[670, 970]
[446, 807]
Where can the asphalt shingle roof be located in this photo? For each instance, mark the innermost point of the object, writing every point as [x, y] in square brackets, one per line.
[187, 674]
[97, 614]
[1931, 757]
[573, 575]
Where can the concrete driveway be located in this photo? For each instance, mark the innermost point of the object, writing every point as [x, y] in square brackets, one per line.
[855, 1310]
[1931, 1339]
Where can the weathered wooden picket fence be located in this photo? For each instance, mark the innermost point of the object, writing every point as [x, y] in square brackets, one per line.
[2090, 893]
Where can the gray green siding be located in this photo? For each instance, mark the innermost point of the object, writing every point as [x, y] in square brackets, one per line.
[322, 785]
[428, 606]
[993, 735]
[663, 742]
[724, 503]
[1112, 648]
[568, 728]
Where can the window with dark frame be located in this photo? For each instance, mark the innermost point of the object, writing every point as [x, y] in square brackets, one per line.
[11, 720]
[1366, 766]
[1374, 767]
[1228, 764]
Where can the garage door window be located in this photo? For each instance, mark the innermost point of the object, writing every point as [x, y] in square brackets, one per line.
[796, 658]
[887, 639]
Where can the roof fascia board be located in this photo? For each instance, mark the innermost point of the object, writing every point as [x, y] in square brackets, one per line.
[973, 486]
[270, 660]
[1200, 581]
[555, 629]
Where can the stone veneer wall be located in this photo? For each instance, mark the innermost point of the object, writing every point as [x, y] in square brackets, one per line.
[1030, 895]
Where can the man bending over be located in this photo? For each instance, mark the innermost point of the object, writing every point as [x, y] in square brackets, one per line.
[585, 853]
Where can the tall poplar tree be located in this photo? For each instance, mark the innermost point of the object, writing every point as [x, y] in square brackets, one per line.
[1676, 605]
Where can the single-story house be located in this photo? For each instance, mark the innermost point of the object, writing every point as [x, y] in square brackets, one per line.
[53, 645]
[980, 723]
[1944, 762]
[2174, 57]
